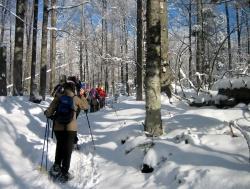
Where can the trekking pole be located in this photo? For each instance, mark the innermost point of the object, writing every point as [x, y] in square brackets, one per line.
[90, 130]
[47, 144]
[45, 135]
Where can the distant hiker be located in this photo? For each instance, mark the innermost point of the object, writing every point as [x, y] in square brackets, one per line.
[59, 87]
[166, 80]
[94, 100]
[102, 96]
[65, 132]
[84, 92]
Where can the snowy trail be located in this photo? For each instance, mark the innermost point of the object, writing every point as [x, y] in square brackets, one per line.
[19, 135]
[211, 159]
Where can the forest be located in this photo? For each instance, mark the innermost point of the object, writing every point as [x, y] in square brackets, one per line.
[137, 47]
[173, 108]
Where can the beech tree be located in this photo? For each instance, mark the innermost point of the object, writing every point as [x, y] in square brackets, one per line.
[33, 85]
[52, 45]
[139, 65]
[153, 123]
[43, 63]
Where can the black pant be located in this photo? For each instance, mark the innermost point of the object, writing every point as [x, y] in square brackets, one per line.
[64, 147]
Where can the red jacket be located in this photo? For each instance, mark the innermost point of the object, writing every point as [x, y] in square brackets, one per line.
[101, 92]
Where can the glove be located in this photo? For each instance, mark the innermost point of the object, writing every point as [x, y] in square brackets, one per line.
[49, 117]
[86, 111]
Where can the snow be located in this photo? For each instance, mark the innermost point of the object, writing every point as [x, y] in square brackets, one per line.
[196, 150]
[235, 83]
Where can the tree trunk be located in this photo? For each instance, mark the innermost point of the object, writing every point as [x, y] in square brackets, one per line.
[238, 33]
[125, 31]
[18, 50]
[3, 71]
[199, 52]
[229, 38]
[112, 52]
[86, 67]
[139, 67]
[52, 46]
[103, 53]
[43, 67]
[164, 33]
[248, 40]
[122, 55]
[28, 33]
[190, 41]
[33, 62]
[3, 19]
[106, 51]
[153, 123]
[81, 45]
[10, 73]
[81, 59]
[166, 74]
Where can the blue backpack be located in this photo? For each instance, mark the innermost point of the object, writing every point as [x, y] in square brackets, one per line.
[65, 110]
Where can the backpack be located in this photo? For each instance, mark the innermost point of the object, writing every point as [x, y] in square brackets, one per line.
[65, 110]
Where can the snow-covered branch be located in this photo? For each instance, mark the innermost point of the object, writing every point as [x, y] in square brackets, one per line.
[1, 5]
[49, 70]
[67, 7]
[52, 28]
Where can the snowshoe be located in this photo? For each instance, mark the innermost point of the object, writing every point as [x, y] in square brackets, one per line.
[55, 172]
[65, 177]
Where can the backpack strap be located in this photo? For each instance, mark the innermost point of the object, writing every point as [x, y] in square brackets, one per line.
[73, 102]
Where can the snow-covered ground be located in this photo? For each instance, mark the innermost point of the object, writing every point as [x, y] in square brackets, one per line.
[196, 151]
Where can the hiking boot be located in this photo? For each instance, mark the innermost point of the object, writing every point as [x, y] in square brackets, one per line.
[55, 170]
[65, 177]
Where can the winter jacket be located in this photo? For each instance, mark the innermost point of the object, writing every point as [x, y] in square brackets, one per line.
[80, 103]
[101, 92]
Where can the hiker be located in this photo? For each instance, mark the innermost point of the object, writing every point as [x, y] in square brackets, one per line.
[102, 95]
[65, 133]
[93, 100]
[166, 81]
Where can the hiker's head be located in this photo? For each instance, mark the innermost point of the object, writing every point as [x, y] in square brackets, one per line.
[69, 85]
[72, 78]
